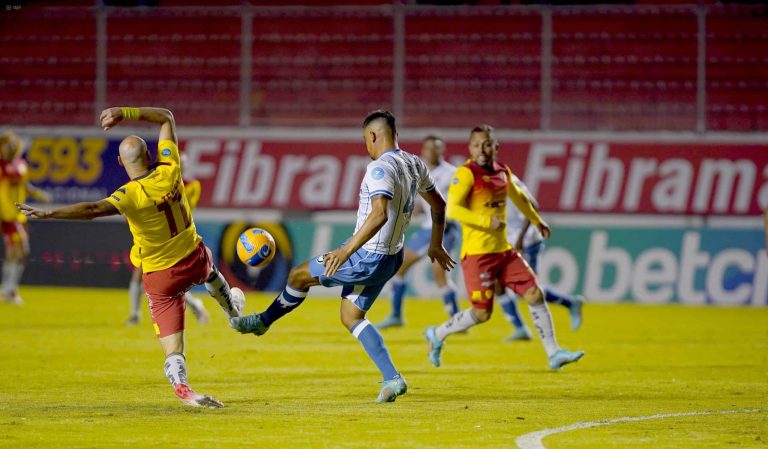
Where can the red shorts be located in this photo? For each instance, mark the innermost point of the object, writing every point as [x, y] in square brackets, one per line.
[165, 289]
[14, 232]
[483, 270]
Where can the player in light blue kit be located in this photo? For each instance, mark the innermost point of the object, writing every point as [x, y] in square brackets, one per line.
[433, 154]
[366, 261]
[530, 243]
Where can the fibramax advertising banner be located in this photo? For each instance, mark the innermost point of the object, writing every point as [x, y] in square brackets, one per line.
[648, 177]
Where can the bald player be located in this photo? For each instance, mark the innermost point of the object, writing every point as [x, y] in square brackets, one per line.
[166, 245]
[193, 189]
[374, 253]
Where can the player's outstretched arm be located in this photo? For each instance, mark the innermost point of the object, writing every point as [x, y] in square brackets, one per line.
[376, 219]
[112, 116]
[436, 251]
[79, 211]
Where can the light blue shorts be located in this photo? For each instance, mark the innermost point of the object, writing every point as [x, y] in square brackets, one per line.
[362, 276]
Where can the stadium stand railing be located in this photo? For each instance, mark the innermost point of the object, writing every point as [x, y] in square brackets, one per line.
[615, 68]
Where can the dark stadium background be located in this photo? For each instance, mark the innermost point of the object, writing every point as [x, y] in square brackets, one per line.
[642, 125]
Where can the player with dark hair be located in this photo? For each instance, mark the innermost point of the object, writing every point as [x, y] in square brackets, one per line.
[478, 199]
[374, 253]
[433, 154]
[166, 245]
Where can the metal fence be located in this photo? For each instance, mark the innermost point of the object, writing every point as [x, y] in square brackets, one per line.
[594, 68]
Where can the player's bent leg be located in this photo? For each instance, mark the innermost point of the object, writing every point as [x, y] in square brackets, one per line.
[353, 318]
[231, 301]
[13, 265]
[459, 323]
[135, 292]
[168, 317]
[175, 369]
[573, 304]
[395, 319]
[508, 302]
[197, 307]
[300, 279]
[448, 288]
[542, 320]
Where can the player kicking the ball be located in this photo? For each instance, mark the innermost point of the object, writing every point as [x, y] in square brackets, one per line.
[165, 241]
[193, 189]
[477, 199]
[364, 264]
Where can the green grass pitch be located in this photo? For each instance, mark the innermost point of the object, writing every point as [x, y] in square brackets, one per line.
[73, 376]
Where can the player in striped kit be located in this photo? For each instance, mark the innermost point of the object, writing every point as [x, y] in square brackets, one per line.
[529, 243]
[432, 153]
[374, 253]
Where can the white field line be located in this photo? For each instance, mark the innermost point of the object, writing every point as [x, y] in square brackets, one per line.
[533, 440]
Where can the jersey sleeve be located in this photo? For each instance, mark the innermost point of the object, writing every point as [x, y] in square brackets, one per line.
[168, 153]
[524, 188]
[121, 199]
[461, 185]
[193, 190]
[380, 181]
[522, 201]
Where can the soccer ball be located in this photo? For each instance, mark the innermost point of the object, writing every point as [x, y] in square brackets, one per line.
[255, 247]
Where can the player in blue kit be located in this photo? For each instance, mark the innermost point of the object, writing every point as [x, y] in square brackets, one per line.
[374, 253]
[433, 154]
[529, 242]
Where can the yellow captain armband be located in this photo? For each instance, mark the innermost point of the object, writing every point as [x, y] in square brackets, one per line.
[130, 113]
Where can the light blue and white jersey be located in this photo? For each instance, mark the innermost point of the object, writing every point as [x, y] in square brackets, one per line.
[442, 174]
[516, 220]
[399, 176]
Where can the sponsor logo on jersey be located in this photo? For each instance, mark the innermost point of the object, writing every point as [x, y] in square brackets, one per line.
[377, 173]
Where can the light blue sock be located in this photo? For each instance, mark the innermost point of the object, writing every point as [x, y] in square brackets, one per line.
[557, 298]
[398, 292]
[450, 301]
[373, 343]
[509, 306]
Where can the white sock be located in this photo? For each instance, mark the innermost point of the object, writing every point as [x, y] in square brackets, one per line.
[194, 302]
[9, 268]
[134, 297]
[176, 369]
[17, 274]
[542, 321]
[219, 289]
[457, 323]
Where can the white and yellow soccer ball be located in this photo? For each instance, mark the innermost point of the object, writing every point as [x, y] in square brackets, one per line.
[255, 247]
